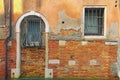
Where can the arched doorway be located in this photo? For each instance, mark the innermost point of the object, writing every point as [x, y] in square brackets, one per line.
[31, 32]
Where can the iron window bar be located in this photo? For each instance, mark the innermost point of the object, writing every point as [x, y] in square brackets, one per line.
[94, 19]
[32, 35]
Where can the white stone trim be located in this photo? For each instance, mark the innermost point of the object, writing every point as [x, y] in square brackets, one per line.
[46, 54]
[62, 42]
[71, 62]
[17, 28]
[111, 43]
[49, 73]
[105, 18]
[54, 61]
[28, 14]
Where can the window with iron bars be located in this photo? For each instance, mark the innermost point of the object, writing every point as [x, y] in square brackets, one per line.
[94, 21]
[32, 28]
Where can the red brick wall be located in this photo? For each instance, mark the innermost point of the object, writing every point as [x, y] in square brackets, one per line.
[72, 50]
[2, 59]
[105, 55]
[32, 63]
[35, 57]
[11, 58]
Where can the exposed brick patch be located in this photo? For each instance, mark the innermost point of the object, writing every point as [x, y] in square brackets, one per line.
[2, 59]
[73, 50]
[11, 57]
[33, 62]
[69, 32]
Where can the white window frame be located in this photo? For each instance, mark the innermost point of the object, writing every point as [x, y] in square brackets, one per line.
[95, 36]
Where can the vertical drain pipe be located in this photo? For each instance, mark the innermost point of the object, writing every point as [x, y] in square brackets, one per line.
[7, 41]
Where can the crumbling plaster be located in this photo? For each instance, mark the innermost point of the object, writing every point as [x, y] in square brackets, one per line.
[67, 23]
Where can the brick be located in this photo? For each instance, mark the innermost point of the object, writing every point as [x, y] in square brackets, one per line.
[82, 54]
[32, 62]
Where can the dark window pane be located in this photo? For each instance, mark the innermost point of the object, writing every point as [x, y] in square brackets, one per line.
[31, 31]
[94, 21]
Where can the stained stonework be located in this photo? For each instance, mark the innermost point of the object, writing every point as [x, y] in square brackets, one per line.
[3, 33]
[67, 28]
[113, 32]
[33, 62]
[63, 35]
[118, 58]
[114, 68]
[2, 19]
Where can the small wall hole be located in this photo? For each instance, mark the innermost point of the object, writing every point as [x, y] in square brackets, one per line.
[115, 5]
[72, 56]
[13, 74]
[63, 22]
[50, 74]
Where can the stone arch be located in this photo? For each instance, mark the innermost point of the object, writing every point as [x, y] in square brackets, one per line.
[17, 30]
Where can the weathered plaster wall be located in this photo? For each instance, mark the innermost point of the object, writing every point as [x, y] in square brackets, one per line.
[2, 17]
[65, 22]
[73, 8]
[67, 28]
[2, 20]
[95, 51]
[113, 32]
[69, 19]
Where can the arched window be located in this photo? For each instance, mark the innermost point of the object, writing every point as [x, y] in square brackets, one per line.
[32, 28]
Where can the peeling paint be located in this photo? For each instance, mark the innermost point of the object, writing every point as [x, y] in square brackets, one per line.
[67, 23]
[60, 37]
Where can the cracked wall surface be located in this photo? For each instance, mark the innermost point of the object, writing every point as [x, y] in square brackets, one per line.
[65, 22]
[71, 11]
[67, 28]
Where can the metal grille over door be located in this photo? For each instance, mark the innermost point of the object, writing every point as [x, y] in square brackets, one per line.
[32, 28]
